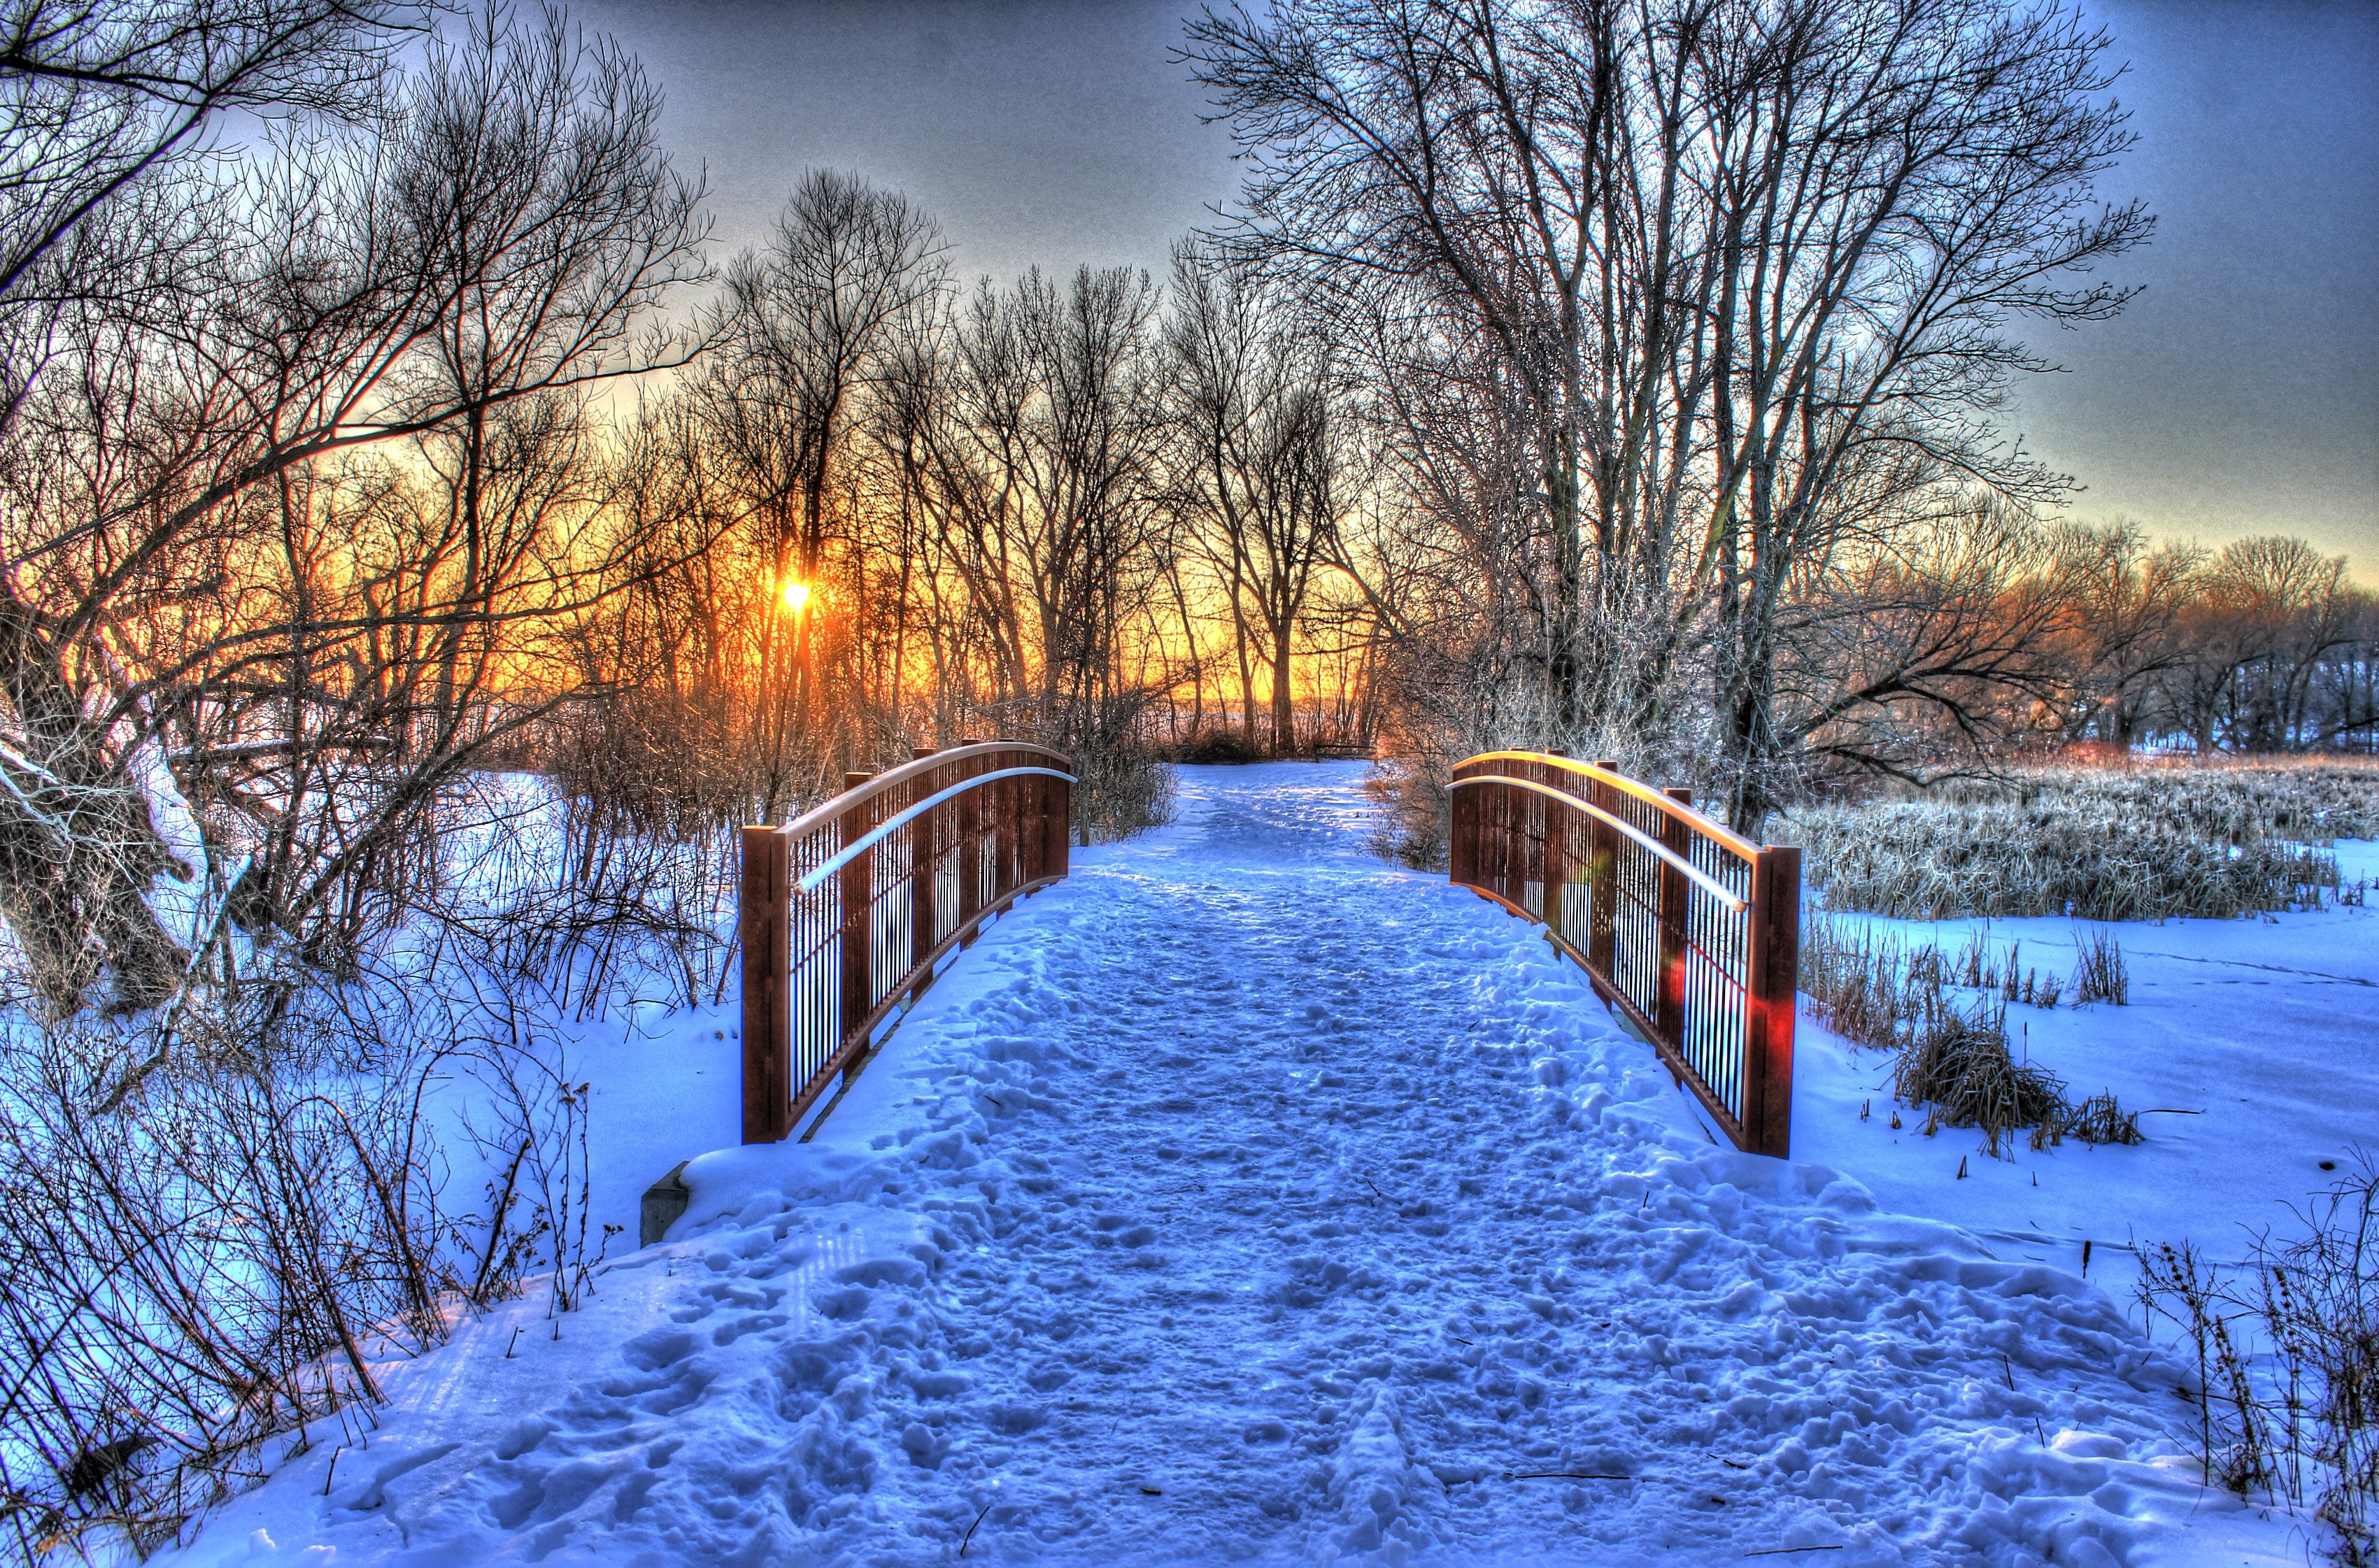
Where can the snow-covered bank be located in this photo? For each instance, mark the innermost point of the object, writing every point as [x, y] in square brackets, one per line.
[2256, 1042]
[1247, 1199]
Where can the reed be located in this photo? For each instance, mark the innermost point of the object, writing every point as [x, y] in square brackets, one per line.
[2094, 844]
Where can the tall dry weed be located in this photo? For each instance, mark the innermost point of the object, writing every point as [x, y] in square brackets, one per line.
[2287, 1352]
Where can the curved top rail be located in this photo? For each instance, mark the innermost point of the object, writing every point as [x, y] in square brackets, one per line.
[885, 828]
[1725, 837]
[1708, 883]
[819, 815]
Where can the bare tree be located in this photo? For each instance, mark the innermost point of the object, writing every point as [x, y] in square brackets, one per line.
[1720, 266]
[1260, 436]
[1038, 455]
[1929, 651]
[2272, 611]
[2130, 596]
[493, 250]
[812, 315]
[97, 100]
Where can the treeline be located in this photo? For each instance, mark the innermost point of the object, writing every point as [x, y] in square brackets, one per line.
[2005, 636]
[2265, 645]
[882, 512]
[1617, 378]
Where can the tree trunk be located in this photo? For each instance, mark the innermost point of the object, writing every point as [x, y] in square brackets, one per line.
[1284, 708]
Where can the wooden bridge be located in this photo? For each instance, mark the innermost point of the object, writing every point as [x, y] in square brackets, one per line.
[1689, 930]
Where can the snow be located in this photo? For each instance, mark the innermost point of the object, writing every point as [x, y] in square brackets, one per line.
[1245, 1197]
[2252, 1040]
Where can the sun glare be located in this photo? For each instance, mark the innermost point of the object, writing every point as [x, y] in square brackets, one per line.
[797, 595]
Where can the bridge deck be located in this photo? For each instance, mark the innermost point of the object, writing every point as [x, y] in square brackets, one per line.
[1246, 1197]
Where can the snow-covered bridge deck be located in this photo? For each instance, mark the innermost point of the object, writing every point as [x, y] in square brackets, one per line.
[1249, 1198]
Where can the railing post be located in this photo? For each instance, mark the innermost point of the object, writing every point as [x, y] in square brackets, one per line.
[924, 879]
[1462, 836]
[856, 883]
[970, 807]
[1674, 890]
[1045, 827]
[1602, 885]
[1061, 829]
[1771, 994]
[768, 943]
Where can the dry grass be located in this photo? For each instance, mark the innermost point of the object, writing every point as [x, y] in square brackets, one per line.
[1958, 1061]
[2100, 975]
[1859, 985]
[2107, 844]
[2288, 1403]
[2099, 1120]
[1951, 1052]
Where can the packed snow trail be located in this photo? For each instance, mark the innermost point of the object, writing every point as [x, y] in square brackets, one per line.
[1248, 1198]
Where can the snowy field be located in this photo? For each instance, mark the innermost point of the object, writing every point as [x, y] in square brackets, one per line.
[2253, 1042]
[1247, 1199]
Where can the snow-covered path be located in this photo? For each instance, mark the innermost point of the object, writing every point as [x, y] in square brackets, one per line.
[1248, 1198]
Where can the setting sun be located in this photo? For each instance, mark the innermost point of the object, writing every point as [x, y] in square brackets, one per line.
[797, 595]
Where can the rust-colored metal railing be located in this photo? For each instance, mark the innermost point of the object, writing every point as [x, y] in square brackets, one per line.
[846, 909]
[1691, 931]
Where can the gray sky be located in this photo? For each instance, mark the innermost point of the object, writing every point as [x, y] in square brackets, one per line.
[2240, 394]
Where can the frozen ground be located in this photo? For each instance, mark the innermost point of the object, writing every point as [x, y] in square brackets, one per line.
[1245, 1199]
[2256, 1042]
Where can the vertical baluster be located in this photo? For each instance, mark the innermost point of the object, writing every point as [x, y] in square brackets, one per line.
[1602, 883]
[767, 925]
[1493, 860]
[1535, 820]
[1557, 817]
[1672, 911]
[1506, 830]
[856, 883]
[969, 804]
[924, 863]
[1003, 834]
[1015, 788]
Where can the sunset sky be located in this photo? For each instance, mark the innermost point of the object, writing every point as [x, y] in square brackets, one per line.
[2240, 394]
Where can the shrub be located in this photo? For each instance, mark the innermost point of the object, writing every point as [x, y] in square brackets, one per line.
[214, 1257]
[1415, 811]
[1958, 1061]
[1216, 744]
[1121, 790]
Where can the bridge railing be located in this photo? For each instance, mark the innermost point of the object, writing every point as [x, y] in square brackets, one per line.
[846, 909]
[1690, 930]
